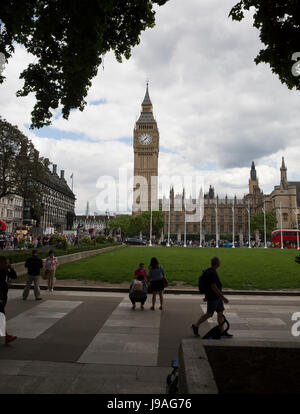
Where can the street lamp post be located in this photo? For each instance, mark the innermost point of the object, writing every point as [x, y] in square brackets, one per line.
[233, 245]
[281, 235]
[150, 243]
[200, 223]
[169, 222]
[296, 213]
[249, 235]
[184, 229]
[265, 225]
[217, 235]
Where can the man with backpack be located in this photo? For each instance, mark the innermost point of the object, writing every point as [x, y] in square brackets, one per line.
[211, 286]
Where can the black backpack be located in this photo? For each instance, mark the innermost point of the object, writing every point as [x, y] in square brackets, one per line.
[202, 282]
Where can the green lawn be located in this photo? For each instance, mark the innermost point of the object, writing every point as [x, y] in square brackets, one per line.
[240, 268]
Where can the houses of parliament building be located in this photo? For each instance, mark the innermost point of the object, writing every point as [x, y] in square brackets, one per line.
[283, 202]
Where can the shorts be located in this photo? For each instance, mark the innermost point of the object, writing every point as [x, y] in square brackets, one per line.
[215, 306]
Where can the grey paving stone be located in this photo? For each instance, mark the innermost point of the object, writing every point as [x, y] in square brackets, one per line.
[142, 388]
[86, 385]
[153, 374]
[18, 384]
[32, 323]
[51, 369]
[263, 334]
[265, 321]
[11, 367]
[58, 385]
[141, 347]
[113, 358]
[108, 370]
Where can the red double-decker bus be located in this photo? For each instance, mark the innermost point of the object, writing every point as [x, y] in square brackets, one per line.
[289, 237]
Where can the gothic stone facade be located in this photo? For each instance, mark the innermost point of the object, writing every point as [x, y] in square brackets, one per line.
[284, 199]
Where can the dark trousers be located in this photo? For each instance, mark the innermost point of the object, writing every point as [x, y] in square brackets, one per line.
[135, 299]
[3, 300]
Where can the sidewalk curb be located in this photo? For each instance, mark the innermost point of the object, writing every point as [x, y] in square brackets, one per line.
[167, 291]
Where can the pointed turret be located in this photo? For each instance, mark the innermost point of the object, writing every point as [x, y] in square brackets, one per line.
[283, 175]
[253, 172]
[253, 181]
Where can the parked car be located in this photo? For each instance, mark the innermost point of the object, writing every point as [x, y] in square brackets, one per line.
[136, 242]
[227, 244]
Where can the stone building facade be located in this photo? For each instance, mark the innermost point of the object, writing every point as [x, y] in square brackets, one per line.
[284, 201]
[96, 222]
[11, 212]
[217, 212]
[58, 202]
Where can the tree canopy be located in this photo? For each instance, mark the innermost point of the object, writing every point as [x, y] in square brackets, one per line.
[257, 223]
[68, 39]
[279, 26]
[21, 169]
[133, 225]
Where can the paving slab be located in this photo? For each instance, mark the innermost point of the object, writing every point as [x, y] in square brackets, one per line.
[32, 323]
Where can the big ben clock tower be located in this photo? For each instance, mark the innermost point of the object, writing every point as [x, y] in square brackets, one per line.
[146, 149]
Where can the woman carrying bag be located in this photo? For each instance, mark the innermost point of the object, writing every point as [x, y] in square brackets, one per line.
[50, 266]
[158, 281]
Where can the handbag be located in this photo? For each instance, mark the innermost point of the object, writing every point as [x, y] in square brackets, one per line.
[46, 274]
[165, 281]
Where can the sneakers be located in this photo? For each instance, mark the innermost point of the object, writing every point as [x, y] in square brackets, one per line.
[38, 298]
[227, 335]
[9, 338]
[195, 330]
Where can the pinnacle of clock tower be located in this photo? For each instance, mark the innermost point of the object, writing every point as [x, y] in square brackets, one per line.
[147, 109]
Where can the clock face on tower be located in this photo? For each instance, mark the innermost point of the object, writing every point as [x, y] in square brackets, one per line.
[145, 139]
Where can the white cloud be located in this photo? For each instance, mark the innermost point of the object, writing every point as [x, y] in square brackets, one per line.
[213, 105]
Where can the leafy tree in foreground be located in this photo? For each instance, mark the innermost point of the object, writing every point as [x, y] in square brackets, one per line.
[279, 26]
[68, 38]
[257, 222]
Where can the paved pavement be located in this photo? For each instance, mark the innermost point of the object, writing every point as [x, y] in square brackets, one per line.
[92, 342]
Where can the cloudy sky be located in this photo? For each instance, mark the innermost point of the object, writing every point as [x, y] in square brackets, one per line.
[216, 110]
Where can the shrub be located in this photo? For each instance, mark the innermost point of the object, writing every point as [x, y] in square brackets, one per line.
[100, 239]
[86, 241]
[59, 242]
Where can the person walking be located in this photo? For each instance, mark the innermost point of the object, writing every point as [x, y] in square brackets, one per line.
[156, 277]
[6, 273]
[34, 264]
[138, 291]
[35, 243]
[213, 296]
[140, 271]
[50, 266]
